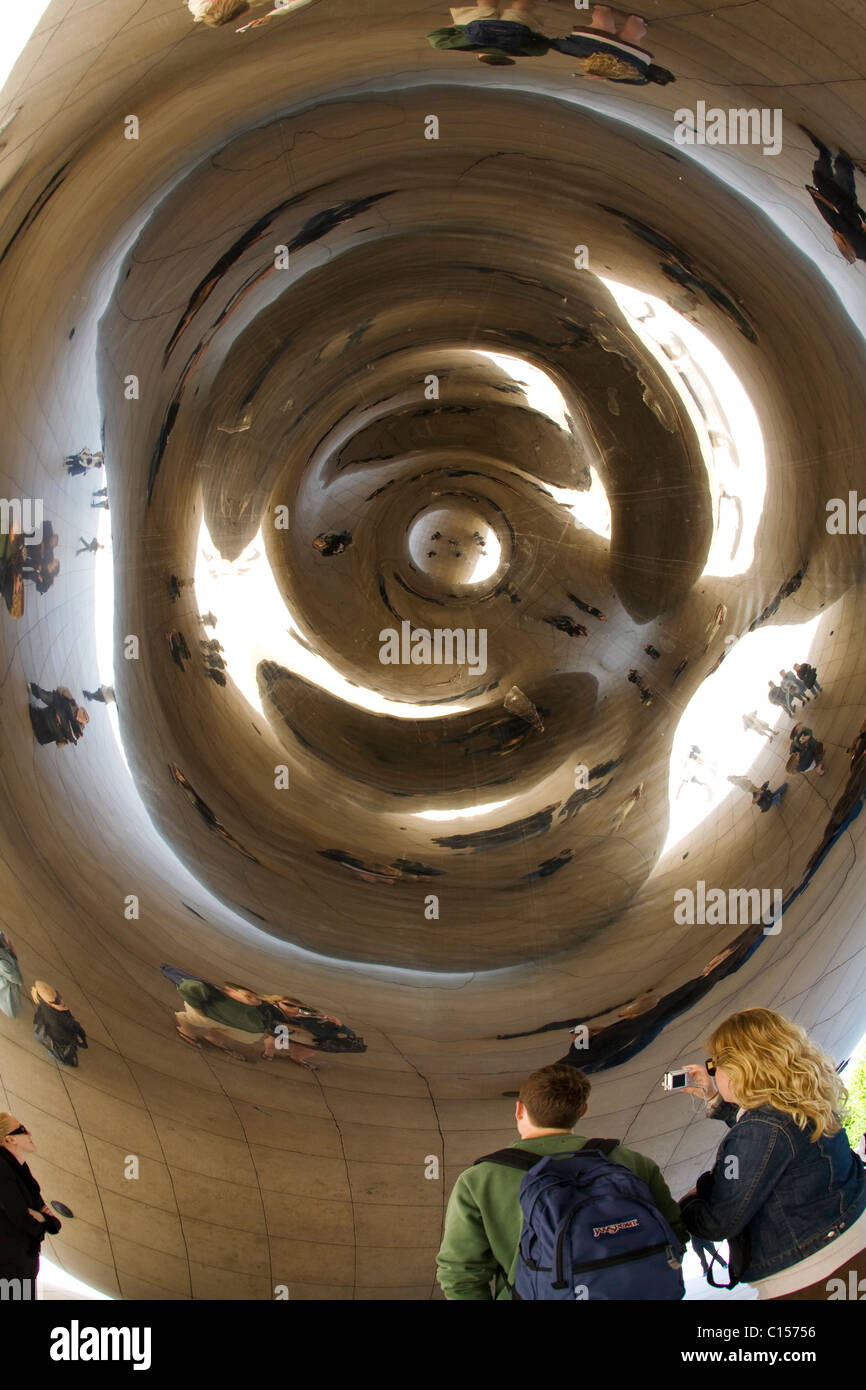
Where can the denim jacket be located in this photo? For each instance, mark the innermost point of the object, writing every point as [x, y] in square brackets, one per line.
[784, 1197]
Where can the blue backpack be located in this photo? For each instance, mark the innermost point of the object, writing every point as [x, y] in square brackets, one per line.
[591, 1230]
[497, 33]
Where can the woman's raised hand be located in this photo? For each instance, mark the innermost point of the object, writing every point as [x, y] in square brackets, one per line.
[703, 1083]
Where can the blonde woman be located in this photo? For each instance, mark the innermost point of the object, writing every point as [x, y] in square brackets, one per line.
[216, 12]
[786, 1191]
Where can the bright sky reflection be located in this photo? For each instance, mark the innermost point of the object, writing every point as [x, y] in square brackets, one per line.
[103, 605]
[467, 813]
[713, 720]
[59, 1285]
[255, 625]
[486, 563]
[541, 391]
[591, 508]
[19, 21]
[723, 418]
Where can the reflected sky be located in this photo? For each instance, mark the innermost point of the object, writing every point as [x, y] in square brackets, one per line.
[713, 720]
[723, 417]
[255, 625]
[19, 21]
[103, 614]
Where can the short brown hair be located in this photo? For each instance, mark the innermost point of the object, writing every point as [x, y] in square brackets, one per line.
[554, 1096]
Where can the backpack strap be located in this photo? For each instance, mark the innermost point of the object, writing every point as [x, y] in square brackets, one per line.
[603, 1146]
[521, 1158]
[512, 1158]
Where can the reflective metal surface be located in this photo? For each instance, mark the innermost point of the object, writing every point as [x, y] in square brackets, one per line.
[429, 464]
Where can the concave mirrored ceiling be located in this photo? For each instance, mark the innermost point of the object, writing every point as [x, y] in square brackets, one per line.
[428, 452]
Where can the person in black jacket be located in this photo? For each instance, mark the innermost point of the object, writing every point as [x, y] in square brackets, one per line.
[809, 676]
[806, 751]
[54, 1026]
[25, 1220]
[62, 722]
[834, 193]
[765, 799]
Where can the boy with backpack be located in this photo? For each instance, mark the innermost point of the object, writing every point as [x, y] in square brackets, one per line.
[560, 1217]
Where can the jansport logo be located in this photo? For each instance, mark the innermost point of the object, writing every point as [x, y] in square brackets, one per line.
[75, 1343]
[614, 1227]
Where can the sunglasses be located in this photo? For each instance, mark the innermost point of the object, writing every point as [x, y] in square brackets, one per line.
[710, 1066]
[19, 1130]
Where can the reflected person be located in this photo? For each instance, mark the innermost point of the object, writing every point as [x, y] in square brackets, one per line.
[10, 978]
[54, 1025]
[494, 35]
[63, 721]
[834, 193]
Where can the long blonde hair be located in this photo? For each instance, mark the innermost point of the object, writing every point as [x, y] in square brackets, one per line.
[607, 65]
[772, 1061]
[223, 11]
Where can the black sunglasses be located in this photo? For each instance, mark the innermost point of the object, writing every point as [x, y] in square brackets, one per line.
[710, 1066]
[19, 1130]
